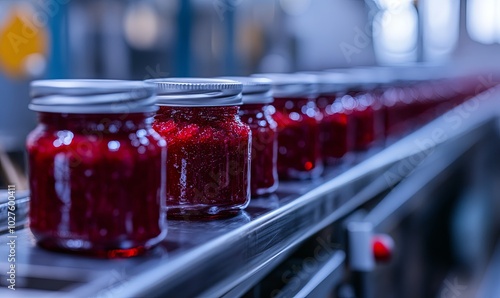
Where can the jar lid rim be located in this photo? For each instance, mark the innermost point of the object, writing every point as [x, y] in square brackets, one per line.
[91, 96]
[255, 90]
[197, 92]
[291, 84]
[178, 84]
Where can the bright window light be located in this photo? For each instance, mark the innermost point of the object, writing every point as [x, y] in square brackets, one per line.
[395, 32]
[440, 27]
[483, 20]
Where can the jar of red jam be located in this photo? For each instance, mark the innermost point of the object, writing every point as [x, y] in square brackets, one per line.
[208, 167]
[97, 168]
[408, 103]
[334, 122]
[397, 101]
[256, 113]
[364, 129]
[298, 119]
[383, 80]
[414, 97]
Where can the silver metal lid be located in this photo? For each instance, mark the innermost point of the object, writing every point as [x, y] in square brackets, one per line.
[92, 96]
[357, 78]
[197, 92]
[291, 85]
[255, 90]
[329, 82]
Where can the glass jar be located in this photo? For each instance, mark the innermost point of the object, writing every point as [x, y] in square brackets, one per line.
[298, 118]
[408, 104]
[363, 104]
[333, 125]
[97, 175]
[208, 167]
[256, 113]
[333, 130]
[397, 101]
[361, 117]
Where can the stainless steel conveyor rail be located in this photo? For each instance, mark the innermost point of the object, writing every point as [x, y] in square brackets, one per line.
[211, 259]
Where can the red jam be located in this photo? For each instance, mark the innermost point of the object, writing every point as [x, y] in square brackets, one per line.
[299, 150]
[208, 166]
[264, 146]
[333, 129]
[97, 183]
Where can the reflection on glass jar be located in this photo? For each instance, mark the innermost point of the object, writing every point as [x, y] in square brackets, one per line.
[298, 138]
[361, 116]
[333, 129]
[333, 125]
[361, 102]
[298, 118]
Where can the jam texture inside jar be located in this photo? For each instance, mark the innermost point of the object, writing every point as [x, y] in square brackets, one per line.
[208, 167]
[96, 179]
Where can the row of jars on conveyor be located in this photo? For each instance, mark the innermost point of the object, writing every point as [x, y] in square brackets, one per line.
[111, 160]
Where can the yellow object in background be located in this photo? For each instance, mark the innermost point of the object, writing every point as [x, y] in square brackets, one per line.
[23, 43]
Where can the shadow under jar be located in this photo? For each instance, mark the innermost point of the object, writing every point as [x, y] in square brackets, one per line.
[257, 114]
[97, 168]
[298, 119]
[208, 167]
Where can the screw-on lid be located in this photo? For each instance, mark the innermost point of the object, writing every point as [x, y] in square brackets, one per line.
[329, 82]
[291, 85]
[92, 96]
[357, 78]
[197, 92]
[255, 90]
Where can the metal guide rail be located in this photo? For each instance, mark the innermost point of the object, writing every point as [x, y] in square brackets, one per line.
[209, 258]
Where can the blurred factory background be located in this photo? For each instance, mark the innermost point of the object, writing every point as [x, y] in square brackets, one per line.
[142, 39]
